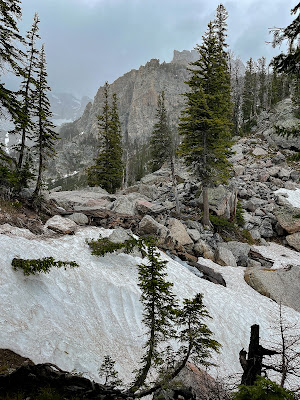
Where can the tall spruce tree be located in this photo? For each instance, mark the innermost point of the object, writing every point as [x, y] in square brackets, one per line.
[24, 123]
[161, 136]
[10, 54]
[44, 134]
[206, 121]
[108, 169]
[249, 94]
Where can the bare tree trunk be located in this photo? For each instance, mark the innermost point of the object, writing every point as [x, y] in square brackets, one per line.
[175, 186]
[205, 218]
[252, 365]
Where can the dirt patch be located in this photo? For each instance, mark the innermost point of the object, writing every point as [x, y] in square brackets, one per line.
[10, 360]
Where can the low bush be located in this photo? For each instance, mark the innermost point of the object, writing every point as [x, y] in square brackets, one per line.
[32, 267]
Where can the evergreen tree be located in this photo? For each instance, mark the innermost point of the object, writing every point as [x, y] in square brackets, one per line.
[263, 389]
[161, 137]
[249, 94]
[159, 310]
[290, 62]
[108, 169]
[206, 121]
[44, 135]
[262, 80]
[10, 54]
[108, 372]
[24, 124]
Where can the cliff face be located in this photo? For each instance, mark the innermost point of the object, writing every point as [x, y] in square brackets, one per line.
[137, 93]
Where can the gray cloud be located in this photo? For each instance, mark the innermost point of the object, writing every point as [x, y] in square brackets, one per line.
[91, 41]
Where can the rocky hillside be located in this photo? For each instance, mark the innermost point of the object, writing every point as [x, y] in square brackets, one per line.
[137, 93]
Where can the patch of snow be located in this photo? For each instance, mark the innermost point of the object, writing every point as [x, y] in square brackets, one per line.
[71, 174]
[75, 317]
[282, 256]
[61, 121]
[293, 196]
[6, 142]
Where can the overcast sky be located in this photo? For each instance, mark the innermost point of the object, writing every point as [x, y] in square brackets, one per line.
[90, 41]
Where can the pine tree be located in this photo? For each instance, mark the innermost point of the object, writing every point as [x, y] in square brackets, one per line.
[249, 94]
[262, 80]
[24, 123]
[108, 169]
[159, 310]
[108, 372]
[206, 121]
[290, 62]
[44, 135]
[161, 136]
[10, 54]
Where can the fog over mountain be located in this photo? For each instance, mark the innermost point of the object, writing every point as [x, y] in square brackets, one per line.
[90, 41]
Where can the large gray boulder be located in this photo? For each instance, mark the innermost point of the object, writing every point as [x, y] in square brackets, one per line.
[224, 256]
[61, 225]
[178, 235]
[281, 285]
[286, 218]
[294, 240]
[240, 251]
[79, 218]
[82, 199]
[149, 227]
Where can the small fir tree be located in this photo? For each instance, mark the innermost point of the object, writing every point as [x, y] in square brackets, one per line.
[108, 372]
[44, 135]
[206, 121]
[161, 136]
[263, 389]
[159, 310]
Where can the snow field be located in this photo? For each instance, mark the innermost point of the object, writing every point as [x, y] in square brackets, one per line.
[75, 317]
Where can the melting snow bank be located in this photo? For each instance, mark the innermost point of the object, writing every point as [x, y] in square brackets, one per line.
[293, 196]
[75, 317]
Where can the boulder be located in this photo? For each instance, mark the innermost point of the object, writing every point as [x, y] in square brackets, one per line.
[79, 218]
[178, 234]
[92, 197]
[258, 151]
[221, 201]
[281, 285]
[265, 229]
[209, 274]
[294, 240]
[119, 235]
[286, 218]
[143, 207]
[61, 225]
[240, 251]
[224, 256]
[125, 204]
[194, 234]
[148, 226]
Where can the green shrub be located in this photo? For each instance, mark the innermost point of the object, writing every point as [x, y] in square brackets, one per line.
[263, 389]
[239, 215]
[102, 246]
[32, 267]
